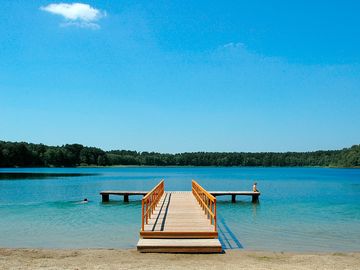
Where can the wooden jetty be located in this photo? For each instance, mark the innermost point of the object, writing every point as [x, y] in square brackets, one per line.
[179, 221]
[254, 195]
[106, 194]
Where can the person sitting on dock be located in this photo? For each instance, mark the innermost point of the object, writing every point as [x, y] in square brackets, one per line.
[255, 188]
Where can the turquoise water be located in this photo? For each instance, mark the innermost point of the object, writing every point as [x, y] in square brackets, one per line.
[300, 209]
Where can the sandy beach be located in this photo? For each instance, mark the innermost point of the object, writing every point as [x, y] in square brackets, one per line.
[131, 259]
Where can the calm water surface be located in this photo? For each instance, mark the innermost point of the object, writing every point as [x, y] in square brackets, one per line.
[300, 209]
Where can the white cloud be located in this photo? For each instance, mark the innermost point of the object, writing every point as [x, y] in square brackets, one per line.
[76, 14]
[234, 45]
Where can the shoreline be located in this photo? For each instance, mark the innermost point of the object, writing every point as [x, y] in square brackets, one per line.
[28, 258]
[179, 166]
[192, 166]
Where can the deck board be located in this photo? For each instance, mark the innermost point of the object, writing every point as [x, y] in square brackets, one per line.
[180, 245]
[244, 193]
[179, 211]
[178, 224]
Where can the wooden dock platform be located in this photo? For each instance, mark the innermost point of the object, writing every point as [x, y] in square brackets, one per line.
[106, 194]
[179, 222]
[254, 195]
[178, 215]
[179, 246]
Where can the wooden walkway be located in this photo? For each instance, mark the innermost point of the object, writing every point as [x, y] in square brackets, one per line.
[178, 214]
[106, 194]
[126, 193]
[180, 222]
[254, 195]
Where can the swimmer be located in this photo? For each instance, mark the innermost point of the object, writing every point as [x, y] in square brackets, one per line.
[83, 201]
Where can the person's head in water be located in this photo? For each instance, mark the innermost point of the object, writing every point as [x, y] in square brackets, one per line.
[85, 200]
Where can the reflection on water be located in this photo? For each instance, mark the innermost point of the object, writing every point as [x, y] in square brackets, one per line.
[300, 209]
[254, 207]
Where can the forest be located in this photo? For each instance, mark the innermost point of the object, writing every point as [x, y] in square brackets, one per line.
[22, 154]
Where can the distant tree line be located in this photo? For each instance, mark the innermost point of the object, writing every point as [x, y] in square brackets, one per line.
[21, 154]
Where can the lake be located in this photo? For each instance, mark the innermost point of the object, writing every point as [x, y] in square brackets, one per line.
[300, 209]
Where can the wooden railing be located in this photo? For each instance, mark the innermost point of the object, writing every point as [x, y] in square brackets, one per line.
[206, 201]
[149, 202]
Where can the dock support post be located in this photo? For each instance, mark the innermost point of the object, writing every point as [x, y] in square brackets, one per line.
[126, 198]
[105, 197]
[255, 199]
[233, 198]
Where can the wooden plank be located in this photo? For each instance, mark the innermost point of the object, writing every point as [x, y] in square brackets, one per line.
[123, 192]
[181, 229]
[244, 193]
[180, 245]
[178, 215]
[214, 193]
[178, 234]
[106, 194]
[179, 224]
[179, 242]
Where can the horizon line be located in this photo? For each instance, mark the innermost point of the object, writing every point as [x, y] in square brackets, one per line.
[174, 153]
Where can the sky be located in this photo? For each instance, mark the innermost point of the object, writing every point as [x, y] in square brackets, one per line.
[181, 76]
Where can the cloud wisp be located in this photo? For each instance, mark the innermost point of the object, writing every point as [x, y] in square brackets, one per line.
[76, 14]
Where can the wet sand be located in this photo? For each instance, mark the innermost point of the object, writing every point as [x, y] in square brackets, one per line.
[131, 259]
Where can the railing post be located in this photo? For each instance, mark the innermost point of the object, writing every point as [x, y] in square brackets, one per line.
[142, 215]
[215, 215]
[210, 206]
[206, 201]
[146, 208]
[149, 203]
[150, 207]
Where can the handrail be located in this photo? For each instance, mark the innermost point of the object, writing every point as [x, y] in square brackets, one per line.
[149, 202]
[206, 201]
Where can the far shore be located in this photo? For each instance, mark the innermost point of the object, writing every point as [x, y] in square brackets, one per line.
[179, 166]
[18, 258]
[190, 166]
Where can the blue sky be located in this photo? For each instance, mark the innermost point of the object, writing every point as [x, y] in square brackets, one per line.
[175, 76]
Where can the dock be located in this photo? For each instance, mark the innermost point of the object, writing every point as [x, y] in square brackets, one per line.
[179, 222]
[254, 195]
[106, 194]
